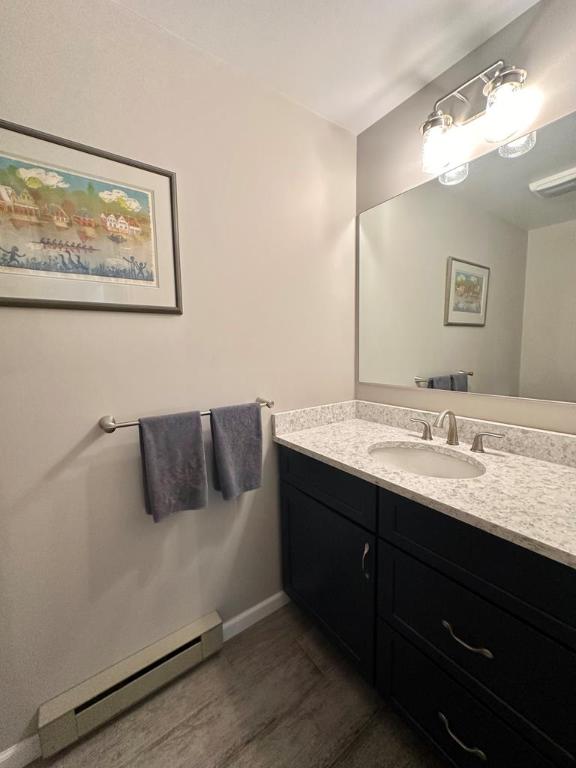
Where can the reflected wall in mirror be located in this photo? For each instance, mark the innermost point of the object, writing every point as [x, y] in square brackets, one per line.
[505, 217]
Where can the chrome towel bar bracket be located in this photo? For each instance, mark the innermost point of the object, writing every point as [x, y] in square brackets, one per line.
[109, 423]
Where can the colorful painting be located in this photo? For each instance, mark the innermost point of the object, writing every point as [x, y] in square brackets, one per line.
[468, 290]
[466, 293]
[56, 222]
[77, 229]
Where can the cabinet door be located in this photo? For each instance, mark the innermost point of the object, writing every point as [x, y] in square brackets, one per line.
[328, 566]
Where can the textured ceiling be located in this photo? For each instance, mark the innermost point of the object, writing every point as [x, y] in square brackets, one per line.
[350, 61]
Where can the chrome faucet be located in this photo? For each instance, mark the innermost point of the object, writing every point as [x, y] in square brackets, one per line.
[452, 438]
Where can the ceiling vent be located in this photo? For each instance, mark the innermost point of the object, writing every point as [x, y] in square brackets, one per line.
[553, 186]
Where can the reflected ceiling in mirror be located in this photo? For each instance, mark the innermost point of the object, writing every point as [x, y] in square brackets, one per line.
[478, 277]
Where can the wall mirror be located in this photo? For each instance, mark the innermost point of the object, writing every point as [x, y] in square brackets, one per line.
[473, 285]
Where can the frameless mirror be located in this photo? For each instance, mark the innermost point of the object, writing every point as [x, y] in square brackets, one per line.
[473, 286]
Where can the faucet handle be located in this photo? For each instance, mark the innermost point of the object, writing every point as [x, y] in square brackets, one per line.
[478, 442]
[427, 431]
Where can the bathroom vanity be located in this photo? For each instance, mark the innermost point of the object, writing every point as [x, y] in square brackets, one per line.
[456, 600]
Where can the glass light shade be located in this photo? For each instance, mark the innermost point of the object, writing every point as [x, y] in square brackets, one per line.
[454, 175]
[518, 147]
[504, 113]
[436, 149]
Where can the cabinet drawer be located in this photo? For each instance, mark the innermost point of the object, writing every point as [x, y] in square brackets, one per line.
[523, 667]
[354, 498]
[465, 730]
[537, 581]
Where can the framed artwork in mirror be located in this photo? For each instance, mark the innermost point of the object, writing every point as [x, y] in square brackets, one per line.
[84, 229]
[466, 293]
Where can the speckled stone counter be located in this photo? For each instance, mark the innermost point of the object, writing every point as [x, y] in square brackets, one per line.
[525, 500]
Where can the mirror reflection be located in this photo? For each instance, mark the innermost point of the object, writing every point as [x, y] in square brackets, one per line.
[471, 284]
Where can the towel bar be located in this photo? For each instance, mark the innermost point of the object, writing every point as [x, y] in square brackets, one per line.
[421, 380]
[109, 423]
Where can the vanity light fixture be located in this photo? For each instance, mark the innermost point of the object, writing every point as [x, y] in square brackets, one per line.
[454, 175]
[496, 93]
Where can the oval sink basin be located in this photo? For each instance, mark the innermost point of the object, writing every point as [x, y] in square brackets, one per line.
[426, 460]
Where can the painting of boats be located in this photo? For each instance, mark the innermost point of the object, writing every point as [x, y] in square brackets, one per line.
[83, 228]
[71, 226]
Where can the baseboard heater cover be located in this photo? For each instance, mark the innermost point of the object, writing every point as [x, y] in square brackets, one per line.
[71, 715]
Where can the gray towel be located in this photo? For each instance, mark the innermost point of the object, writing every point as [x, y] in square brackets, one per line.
[456, 382]
[237, 438]
[439, 382]
[459, 382]
[173, 463]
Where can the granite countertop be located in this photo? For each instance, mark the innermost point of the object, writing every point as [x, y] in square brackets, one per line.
[527, 501]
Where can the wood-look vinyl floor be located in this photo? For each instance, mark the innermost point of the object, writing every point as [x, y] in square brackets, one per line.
[277, 696]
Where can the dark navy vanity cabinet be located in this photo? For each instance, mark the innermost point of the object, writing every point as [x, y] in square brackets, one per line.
[329, 552]
[472, 638]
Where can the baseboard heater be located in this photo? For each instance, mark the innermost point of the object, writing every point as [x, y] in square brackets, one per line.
[71, 715]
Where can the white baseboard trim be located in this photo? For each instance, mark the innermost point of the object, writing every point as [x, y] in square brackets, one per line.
[239, 623]
[21, 754]
[25, 752]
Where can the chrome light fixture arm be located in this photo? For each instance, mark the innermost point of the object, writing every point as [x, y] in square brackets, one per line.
[495, 69]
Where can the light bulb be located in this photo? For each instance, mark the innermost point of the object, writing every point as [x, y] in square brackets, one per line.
[518, 147]
[436, 143]
[502, 112]
[435, 155]
[505, 107]
[454, 176]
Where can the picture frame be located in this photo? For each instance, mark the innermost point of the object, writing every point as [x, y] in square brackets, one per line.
[82, 228]
[466, 298]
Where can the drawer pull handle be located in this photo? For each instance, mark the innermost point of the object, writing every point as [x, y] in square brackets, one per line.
[471, 750]
[364, 556]
[482, 651]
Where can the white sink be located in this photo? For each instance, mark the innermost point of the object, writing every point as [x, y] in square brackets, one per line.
[427, 460]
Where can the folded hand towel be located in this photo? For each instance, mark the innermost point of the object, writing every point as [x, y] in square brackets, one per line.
[439, 382]
[456, 382]
[173, 462]
[237, 438]
[459, 382]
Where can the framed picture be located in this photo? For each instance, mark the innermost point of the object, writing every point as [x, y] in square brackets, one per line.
[84, 229]
[466, 293]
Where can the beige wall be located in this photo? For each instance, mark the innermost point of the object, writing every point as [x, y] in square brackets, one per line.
[403, 247]
[549, 334]
[389, 162]
[267, 203]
